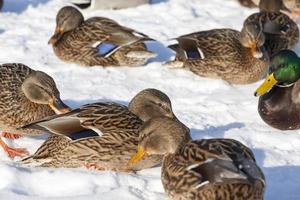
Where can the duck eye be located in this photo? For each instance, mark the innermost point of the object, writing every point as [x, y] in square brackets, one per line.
[282, 65]
[160, 104]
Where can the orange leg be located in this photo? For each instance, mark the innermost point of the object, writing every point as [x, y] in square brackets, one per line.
[11, 136]
[13, 152]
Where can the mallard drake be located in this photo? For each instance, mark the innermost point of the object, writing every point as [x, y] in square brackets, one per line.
[279, 102]
[236, 57]
[26, 95]
[80, 144]
[97, 41]
[280, 31]
[208, 169]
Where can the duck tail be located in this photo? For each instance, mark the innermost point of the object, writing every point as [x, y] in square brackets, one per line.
[174, 47]
[187, 48]
[32, 161]
[82, 4]
[110, 49]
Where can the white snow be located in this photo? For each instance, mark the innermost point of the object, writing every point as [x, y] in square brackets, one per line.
[211, 108]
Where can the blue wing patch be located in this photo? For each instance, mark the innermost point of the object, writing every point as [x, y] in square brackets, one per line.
[83, 134]
[193, 54]
[105, 48]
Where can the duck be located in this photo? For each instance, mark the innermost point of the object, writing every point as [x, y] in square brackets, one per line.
[100, 136]
[271, 5]
[26, 95]
[97, 41]
[279, 30]
[291, 7]
[233, 56]
[279, 102]
[209, 169]
[236, 57]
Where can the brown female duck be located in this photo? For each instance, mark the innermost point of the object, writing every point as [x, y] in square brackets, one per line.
[209, 169]
[289, 6]
[97, 41]
[26, 95]
[236, 57]
[118, 126]
[280, 31]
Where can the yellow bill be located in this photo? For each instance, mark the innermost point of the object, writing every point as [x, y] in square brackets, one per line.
[269, 82]
[141, 153]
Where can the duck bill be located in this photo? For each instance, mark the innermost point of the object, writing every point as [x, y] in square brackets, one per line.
[256, 52]
[59, 107]
[269, 82]
[57, 36]
[141, 153]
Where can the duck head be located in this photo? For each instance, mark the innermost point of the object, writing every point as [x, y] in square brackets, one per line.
[284, 71]
[160, 136]
[252, 37]
[67, 19]
[40, 88]
[272, 6]
[150, 103]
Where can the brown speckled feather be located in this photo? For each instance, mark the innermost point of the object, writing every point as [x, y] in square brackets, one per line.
[293, 5]
[78, 45]
[112, 150]
[223, 57]
[184, 175]
[101, 116]
[15, 109]
[286, 32]
[108, 116]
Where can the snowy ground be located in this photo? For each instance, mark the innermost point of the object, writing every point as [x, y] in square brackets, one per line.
[211, 108]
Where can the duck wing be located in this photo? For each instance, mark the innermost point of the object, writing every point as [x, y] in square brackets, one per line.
[227, 161]
[107, 36]
[89, 120]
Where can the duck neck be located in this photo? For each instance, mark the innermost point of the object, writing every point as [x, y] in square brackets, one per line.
[34, 110]
[186, 139]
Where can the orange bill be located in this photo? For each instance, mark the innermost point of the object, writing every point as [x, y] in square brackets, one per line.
[141, 153]
[58, 106]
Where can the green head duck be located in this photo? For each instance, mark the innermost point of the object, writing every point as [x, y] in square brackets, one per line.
[284, 71]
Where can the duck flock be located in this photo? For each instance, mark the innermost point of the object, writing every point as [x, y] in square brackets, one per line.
[120, 135]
